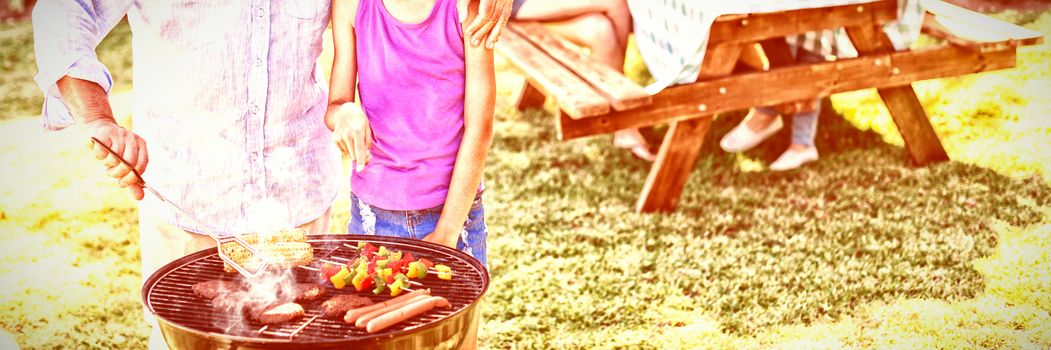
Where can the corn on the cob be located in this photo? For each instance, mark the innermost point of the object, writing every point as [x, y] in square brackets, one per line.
[280, 254]
[290, 235]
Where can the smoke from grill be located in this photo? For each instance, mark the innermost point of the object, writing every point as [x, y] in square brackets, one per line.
[273, 286]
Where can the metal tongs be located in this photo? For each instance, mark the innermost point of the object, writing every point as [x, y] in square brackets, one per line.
[219, 240]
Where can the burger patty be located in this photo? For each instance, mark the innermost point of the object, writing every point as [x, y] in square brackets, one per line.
[279, 313]
[211, 289]
[337, 306]
[239, 303]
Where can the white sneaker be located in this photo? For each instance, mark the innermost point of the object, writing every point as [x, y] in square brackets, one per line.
[792, 159]
[741, 138]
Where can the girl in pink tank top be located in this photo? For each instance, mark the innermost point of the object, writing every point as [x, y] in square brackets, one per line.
[419, 134]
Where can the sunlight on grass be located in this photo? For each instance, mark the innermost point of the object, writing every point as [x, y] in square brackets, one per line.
[999, 120]
[748, 164]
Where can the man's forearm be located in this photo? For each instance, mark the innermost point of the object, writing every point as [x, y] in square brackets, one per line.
[86, 100]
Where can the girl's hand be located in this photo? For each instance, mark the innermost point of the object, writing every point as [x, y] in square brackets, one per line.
[352, 134]
[447, 239]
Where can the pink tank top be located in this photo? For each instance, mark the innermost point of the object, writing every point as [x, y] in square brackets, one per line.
[411, 80]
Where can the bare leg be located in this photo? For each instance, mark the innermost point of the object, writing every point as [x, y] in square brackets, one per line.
[558, 10]
[595, 32]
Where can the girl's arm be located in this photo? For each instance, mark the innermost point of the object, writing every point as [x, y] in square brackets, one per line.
[479, 102]
[351, 131]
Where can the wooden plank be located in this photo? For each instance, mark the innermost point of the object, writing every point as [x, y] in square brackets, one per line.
[528, 97]
[800, 82]
[921, 141]
[682, 143]
[760, 26]
[1000, 30]
[753, 56]
[573, 95]
[621, 92]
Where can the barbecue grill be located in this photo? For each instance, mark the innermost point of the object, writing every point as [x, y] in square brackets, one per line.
[189, 322]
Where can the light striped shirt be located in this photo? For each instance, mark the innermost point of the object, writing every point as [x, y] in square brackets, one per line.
[226, 95]
[672, 35]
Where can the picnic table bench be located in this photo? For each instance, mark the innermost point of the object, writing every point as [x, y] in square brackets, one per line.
[594, 99]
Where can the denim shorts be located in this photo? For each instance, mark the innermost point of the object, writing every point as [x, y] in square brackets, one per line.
[417, 224]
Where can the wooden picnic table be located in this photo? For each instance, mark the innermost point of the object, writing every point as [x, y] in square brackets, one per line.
[594, 99]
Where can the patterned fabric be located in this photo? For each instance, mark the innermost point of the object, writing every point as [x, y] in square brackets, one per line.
[834, 42]
[672, 35]
[227, 97]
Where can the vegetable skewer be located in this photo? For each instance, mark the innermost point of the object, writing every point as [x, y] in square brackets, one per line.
[369, 252]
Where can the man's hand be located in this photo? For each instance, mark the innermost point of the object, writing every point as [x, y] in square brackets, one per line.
[492, 17]
[352, 133]
[130, 147]
[444, 238]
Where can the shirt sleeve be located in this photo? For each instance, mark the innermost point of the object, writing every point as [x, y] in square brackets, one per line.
[65, 35]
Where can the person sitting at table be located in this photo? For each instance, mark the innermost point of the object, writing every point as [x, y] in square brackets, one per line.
[765, 121]
[603, 27]
[812, 47]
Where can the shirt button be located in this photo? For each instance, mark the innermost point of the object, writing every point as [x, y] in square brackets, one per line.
[255, 110]
[261, 13]
[258, 62]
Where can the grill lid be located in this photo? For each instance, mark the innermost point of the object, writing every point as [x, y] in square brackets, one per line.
[168, 294]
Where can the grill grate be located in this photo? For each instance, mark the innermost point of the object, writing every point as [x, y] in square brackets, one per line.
[170, 296]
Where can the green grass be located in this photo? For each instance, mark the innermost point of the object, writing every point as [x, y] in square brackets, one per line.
[859, 250]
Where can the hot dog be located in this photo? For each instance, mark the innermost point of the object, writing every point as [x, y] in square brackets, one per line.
[354, 314]
[399, 315]
[364, 319]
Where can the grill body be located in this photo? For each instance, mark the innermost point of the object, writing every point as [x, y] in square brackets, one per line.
[188, 322]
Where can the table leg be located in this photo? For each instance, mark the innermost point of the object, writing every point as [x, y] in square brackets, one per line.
[528, 97]
[921, 142]
[682, 143]
[675, 160]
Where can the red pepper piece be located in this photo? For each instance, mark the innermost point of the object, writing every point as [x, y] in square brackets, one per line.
[369, 251]
[366, 284]
[327, 271]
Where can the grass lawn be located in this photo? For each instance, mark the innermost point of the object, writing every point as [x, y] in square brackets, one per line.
[859, 250]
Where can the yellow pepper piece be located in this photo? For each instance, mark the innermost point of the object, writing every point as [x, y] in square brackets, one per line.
[359, 279]
[395, 288]
[337, 279]
[444, 272]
